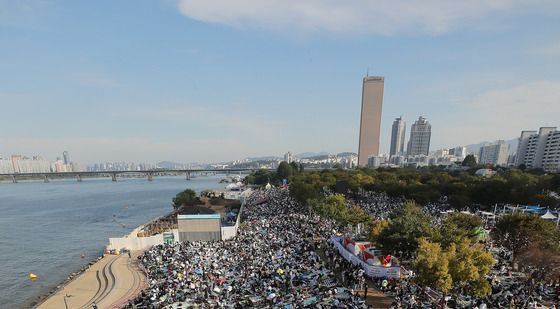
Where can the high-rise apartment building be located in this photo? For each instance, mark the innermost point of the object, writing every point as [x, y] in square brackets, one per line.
[21, 164]
[495, 154]
[539, 149]
[397, 137]
[370, 122]
[66, 157]
[6, 166]
[551, 157]
[288, 157]
[420, 135]
[459, 152]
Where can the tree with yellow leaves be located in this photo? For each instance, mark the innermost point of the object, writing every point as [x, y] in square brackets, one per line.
[469, 264]
[432, 266]
[376, 227]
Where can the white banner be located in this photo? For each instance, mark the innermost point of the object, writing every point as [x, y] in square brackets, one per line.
[371, 271]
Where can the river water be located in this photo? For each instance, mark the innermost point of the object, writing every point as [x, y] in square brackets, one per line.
[46, 227]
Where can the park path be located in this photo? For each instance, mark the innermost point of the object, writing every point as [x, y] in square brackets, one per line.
[109, 283]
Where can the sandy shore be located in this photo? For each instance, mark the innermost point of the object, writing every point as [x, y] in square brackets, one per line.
[110, 283]
[79, 283]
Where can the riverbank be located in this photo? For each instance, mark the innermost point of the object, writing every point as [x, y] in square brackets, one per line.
[41, 298]
[110, 283]
[58, 228]
[80, 283]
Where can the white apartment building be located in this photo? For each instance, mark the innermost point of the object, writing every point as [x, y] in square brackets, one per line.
[539, 149]
[6, 166]
[459, 152]
[21, 164]
[494, 154]
[551, 157]
[288, 157]
[420, 135]
[397, 137]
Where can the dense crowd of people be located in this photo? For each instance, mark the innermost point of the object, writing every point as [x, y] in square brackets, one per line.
[281, 259]
[510, 289]
[378, 205]
[273, 262]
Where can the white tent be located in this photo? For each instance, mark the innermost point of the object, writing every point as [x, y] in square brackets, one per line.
[548, 216]
[232, 186]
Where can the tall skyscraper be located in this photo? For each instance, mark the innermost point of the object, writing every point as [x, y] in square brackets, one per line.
[66, 157]
[370, 122]
[420, 134]
[397, 137]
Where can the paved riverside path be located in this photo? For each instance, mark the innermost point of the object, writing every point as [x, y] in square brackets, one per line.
[109, 283]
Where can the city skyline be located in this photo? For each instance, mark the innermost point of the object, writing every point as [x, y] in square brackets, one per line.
[107, 85]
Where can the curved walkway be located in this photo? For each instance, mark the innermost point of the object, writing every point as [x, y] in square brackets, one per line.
[109, 283]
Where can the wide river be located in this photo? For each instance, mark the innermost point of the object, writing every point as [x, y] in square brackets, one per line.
[46, 227]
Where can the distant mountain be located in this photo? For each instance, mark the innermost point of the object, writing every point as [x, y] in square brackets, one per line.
[265, 158]
[306, 155]
[475, 148]
[171, 165]
[346, 154]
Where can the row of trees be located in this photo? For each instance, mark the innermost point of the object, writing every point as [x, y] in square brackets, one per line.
[335, 207]
[284, 170]
[429, 185]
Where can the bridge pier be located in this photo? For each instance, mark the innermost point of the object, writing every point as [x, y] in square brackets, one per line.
[79, 178]
[188, 176]
[114, 177]
[45, 178]
[150, 176]
[14, 179]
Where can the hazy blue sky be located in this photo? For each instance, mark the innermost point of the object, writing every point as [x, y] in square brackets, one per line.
[204, 80]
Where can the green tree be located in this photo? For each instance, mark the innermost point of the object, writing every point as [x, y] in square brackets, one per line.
[302, 192]
[260, 177]
[469, 161]
[407, 225]
[432, 266]
[457, 227]
[376, 228]
[185, 198]
[517, 231]
[295, 167]
[284, 170]
[334, 207]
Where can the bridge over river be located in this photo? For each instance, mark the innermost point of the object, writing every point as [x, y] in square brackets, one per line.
[114, 175]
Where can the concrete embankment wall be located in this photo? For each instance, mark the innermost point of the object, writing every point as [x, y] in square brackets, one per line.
[230, 231]
[138, 243]
[132, 242]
